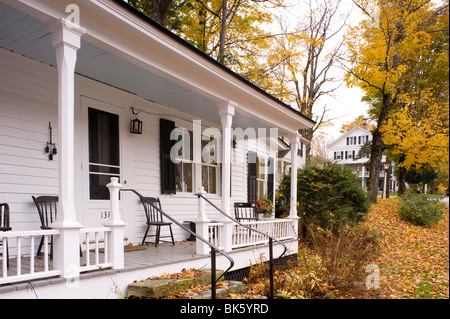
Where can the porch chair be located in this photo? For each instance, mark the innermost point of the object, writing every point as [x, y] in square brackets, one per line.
[245, 212]
[155, 218]
[4, 226]
[47, 209]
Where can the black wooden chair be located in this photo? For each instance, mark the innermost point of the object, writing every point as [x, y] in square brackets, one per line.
[5, 226]
[155, 218]
[47, 209]
[245, 212]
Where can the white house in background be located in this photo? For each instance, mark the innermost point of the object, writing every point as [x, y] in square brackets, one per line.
[344, 150]
[87, 82]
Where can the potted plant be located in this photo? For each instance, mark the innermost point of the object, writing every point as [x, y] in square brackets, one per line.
[264, 206]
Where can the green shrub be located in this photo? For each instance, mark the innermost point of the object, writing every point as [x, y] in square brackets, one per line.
[419, 210]
[329, 195]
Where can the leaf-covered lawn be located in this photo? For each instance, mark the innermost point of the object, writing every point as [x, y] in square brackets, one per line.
[413, 260]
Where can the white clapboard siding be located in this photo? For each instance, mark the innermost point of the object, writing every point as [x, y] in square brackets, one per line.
[28, 102]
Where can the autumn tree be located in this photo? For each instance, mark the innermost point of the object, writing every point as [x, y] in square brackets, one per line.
[383, 52]
[419, 129]
[299, 65]
[158, 10]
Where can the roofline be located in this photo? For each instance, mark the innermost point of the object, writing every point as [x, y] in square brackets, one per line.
[203, 55]
[343, 134]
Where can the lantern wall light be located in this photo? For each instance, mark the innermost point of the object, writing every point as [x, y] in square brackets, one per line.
[50, 149]
[136, 124]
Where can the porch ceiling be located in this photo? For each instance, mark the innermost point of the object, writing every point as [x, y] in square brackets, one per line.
[28, 36]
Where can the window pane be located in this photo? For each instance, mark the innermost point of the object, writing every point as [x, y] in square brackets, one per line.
[260, 189]
[261, 168]
[103, 137]
[179, 177]
[97, 186]
[212, 180]
[187, 176]
[205, 178]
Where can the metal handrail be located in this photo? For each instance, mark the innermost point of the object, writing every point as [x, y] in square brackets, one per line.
[271, 239]
[214, 249]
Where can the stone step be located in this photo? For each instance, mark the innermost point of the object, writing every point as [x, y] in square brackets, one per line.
[234, 287]
[160, 288]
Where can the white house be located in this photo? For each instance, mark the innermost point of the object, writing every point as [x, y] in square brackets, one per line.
[74, 74]
[344, 150]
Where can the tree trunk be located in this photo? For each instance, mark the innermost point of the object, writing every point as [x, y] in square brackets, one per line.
[160, 11]
[401, 180]
[376, 153]
[222, 32]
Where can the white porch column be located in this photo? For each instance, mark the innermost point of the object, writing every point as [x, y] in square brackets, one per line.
[115, 241]
[226, 112]
[201, 225]
[66, 39]
[294, 140]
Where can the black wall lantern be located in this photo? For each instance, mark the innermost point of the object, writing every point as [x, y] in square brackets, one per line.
[136, 124]
[50, 149]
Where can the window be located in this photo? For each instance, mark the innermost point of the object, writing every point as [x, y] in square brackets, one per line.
[339, 155]
[185, 167]
[184, 161]
[210, 168]
[261, 178]
[104, 156]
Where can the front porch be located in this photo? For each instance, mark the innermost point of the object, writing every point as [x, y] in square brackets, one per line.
[146, 261]
[70, 75]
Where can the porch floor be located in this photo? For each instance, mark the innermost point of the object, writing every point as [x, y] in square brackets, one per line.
[150, 256]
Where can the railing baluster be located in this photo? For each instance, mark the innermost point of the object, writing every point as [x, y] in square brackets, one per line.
[45, 253]
[88, 256]
[96, 249]
[4, 259]
[31, 254]
[19, 256]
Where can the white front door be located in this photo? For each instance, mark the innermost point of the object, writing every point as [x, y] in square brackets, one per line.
[103, 129]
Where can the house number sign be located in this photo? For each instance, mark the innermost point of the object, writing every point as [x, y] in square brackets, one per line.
[105, 214]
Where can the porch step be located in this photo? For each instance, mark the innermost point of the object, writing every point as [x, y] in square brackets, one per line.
[160, 288]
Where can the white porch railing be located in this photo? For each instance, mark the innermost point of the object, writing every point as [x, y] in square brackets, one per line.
[20, 272]
[215, 231]
[97, 237]
[277, 228]
[23, 264]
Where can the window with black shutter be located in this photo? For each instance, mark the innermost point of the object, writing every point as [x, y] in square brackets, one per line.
[252, 175]
[168, 185]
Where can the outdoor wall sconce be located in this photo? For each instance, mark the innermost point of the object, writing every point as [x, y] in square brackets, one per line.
[50, 149]
[136, 124]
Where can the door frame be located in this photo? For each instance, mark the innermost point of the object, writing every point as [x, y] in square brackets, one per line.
[97, 212]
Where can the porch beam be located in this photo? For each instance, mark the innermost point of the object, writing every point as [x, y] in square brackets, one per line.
[66, 39]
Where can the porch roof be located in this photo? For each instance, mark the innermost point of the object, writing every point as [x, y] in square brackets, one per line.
[127, 50]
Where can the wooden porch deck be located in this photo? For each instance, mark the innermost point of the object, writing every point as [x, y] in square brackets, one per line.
[145, 257]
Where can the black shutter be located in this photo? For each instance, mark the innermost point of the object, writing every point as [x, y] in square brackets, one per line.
[167, 165]
[251, 194]
[270, 178]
